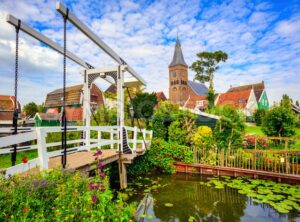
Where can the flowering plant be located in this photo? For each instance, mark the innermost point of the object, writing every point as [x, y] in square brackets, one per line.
[250, 140]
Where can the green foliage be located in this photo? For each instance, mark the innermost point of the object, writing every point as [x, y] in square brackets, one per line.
[207, 65]
[203, 137]
[161, 157]
[30, 109]
[279, 121]
[286, 101]
[259, 115]
[210, 96]
[104, 116]
[163, 113]
[182, 127]
[297, 103]
[143, 105]
[229, 129]
[59, 196]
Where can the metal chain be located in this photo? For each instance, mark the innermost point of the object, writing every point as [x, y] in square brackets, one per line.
[16, 111]
[64, 118]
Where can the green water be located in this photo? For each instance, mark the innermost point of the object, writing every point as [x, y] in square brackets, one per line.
[181, 197]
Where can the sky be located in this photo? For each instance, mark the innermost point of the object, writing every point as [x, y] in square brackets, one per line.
[261, 38]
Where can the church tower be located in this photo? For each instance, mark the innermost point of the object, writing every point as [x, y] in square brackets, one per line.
[178, 77]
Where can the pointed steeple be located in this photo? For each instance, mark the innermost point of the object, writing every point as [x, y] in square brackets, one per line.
[178, 56]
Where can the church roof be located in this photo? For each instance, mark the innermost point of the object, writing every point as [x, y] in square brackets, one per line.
[198, 88]
[178, 56]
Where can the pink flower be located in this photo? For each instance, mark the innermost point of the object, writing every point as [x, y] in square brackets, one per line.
[102, 174]
[101, 165]
[94, 198]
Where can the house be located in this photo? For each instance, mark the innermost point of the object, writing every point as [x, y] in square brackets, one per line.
[243, 100]
[259, 91]
[7, 106]
[186, 93]
[161, 96]
[53, 117]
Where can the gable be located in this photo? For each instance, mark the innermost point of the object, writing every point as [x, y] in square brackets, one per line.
[263, 102]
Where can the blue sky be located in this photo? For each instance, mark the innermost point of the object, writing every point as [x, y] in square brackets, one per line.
[261, 38]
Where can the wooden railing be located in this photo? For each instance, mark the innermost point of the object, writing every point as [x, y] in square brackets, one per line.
[105, 137]
[277, 161]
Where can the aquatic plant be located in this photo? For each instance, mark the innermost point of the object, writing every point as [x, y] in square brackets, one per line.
[282, 197]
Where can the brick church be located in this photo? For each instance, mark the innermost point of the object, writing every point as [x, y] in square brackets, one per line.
[186, 93]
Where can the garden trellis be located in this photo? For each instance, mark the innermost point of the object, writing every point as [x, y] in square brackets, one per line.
[114, 75]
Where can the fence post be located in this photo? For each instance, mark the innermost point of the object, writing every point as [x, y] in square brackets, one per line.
[111, 137]
[88, 138]
[99, 138]
[144, 136]
[134, 138]
[42, 148]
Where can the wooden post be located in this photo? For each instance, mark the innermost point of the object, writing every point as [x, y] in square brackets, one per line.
[111, 137]
[99, 139]
[144, 136]
[42, 148]
[135, 132]
[86, 111]
[122, 174]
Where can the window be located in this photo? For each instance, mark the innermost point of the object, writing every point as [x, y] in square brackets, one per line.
[174, 74]
[182, 74]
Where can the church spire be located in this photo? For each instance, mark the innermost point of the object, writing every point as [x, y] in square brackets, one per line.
[178, 56]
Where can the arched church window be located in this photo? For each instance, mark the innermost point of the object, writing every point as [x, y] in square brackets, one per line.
[182, 74]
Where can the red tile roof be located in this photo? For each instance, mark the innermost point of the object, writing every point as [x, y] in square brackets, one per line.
[237, 99]
[161, 96]
[258, 88]
[7, 103]
[191, 103]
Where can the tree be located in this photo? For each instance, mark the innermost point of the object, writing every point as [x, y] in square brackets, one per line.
[143, 105]
[205, 68]
[297, 103]
[229, 129]
[30, 109]
[259, 115]
[286, 101]
[279, 121]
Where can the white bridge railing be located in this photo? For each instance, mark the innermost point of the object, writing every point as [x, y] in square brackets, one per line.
[35, 138]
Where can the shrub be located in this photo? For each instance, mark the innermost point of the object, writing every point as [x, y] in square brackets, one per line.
[203, 137]
[279, 121]
[259, 115]
[229, 129]
[59, 196]
[249, 142]
[182, 128]
[161, 157]
[158, 127]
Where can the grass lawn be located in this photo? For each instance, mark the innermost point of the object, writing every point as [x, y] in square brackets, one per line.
[254, 130]
[5, 159]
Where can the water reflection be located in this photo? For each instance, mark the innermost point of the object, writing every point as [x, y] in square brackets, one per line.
[190, 199]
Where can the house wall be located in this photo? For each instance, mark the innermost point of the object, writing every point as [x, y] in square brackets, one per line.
[251, 106]
[263, 102]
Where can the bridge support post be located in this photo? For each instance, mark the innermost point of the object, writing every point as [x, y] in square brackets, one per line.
[122, 174]
[86, 111]
[120, 104]
[42, 148]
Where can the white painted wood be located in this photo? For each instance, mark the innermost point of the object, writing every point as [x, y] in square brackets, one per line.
[42, 148]
[144, 136]
[20, 129]
[86, 111]
[19, 149]
[92, 36]
[40, 37]
[18, 138]
[20, 168]
[135, 132]
[99, 139]
[68, 142]
[112, 137]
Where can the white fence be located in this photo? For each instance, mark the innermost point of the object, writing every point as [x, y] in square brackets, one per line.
[36, 137]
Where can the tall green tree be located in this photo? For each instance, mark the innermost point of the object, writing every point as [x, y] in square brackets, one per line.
[279, 121]
[205, 68]
[143, 105]
[31, 109]
[286, 101]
